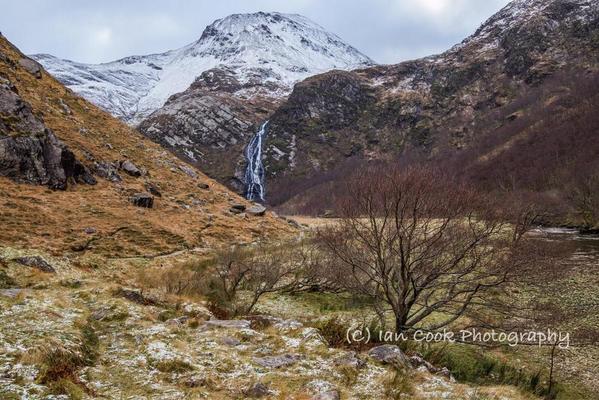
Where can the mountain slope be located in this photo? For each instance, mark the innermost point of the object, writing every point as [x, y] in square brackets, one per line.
[431, 106]
[189, 209]
[268, 51]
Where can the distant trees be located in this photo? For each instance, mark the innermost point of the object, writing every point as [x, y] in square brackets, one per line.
[584, 196]
[422, 245]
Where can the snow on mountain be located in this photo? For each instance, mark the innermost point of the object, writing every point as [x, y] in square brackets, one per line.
[272, 48]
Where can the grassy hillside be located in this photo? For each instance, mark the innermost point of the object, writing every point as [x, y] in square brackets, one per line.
[186, 216]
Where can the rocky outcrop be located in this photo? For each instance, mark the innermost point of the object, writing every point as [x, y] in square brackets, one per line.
[209, 126]
[29, 151]
[37, 263]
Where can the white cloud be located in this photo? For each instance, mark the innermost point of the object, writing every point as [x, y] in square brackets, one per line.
[102, 36]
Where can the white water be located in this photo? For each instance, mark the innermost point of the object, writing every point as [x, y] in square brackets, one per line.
[254, 173]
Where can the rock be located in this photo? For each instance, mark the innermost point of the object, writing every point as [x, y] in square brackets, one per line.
[11, 293]
[257, 210]
[390, 354]
[203, 186]
[90, 230]
[238, 207]
[130, 168]
[235, 211]
[257, 391]
[31, 66]
[153, 189]
[350, 359]
[444, 372]
[230, 341]
[37, 263]
[284, 360]
[30, 152]
[136, 296]
[237, 324]
[188, 170]
[331, 395]
[144, 200]
[419, 362]
[107, 171]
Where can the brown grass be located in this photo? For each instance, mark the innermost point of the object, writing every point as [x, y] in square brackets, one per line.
[33, 216]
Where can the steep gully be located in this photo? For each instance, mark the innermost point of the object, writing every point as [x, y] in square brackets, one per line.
[254, 173]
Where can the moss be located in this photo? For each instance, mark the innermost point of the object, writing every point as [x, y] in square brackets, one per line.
[66, 387]
[174, 366]
[6, 282]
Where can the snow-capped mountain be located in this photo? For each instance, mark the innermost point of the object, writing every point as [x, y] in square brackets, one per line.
[276, 49]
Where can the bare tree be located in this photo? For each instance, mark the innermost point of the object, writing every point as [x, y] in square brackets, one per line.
[421, 245]
[239, 276]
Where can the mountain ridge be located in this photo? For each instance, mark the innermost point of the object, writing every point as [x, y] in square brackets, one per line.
[272, 47]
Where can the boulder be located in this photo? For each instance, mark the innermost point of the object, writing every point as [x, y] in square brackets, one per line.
[350, 359]
[256, 391]
[36, 262]
[144, 200]
[390, 354]
[280, 361]
[130, 168]
[31, 66]
[257, 210]
[107, 171]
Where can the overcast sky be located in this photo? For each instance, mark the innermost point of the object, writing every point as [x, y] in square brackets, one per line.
[388, 31]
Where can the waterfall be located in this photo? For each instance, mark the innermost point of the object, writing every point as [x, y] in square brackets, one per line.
[254, 173]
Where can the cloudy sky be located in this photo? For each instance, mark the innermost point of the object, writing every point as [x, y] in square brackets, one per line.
[388, 31]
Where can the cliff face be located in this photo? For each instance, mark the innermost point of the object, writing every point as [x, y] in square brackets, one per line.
[432, 105]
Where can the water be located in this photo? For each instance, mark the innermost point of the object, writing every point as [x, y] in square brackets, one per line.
[254, 173]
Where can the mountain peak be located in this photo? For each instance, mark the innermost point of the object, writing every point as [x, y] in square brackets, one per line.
[263, 48]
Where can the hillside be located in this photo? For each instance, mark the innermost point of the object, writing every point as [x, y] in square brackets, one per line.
[434, 106]
[189, 209]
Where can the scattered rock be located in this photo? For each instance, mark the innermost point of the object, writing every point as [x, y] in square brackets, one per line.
[37, 263]
[419, 362]
[136, 296]
[390, 354]
[188, 170]
[11, 293]
[230, 341]
[257, 391]
[331, 395]
[130, 168]
[107, 171]
[226, 324]
[144, 200]
[350, 359]
[31, 66]
[284, 360]
[257, 210]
